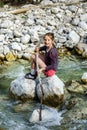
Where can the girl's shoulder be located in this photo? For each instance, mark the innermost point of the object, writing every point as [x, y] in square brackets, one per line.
[53, 52]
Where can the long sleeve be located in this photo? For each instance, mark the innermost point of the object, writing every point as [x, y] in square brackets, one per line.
[43, 48]
[51, 59]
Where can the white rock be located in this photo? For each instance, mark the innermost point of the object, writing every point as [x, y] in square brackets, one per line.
[25, 38]
[54, 10]
[29, 22]
[84, 77]
[51, 86]
[74, 36]
[34, 37]
[62, 39]
[73, 8]
[22, 86]
[17, 33]
[7, 24]
[1, 49]
[75, 21]
[83, 25]
[2, 37]
[48, 115]
[83, 17]
[15, 46]
[6, 49]
[46, 2]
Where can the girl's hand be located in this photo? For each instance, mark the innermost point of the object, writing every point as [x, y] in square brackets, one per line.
[37, 49]
[41, 70]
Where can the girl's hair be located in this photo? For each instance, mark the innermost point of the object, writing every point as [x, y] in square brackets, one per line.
[51, 35]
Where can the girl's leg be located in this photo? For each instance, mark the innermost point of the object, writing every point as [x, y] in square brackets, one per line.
[41, 64]
[31, 74]
[33, 65]
[41, 61]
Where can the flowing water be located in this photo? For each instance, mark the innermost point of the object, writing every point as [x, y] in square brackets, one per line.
[14, 114]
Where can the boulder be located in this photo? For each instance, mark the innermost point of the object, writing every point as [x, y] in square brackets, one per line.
[84, 77]
[10, 56]
[48, 115]
[53, 89]
[81, 49]
[77, 87]
[23, 88]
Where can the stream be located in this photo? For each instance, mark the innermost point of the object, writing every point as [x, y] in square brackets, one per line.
[14, 114]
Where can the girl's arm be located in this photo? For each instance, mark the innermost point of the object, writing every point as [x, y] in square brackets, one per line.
[37, 49]
[43, 48]
[53, 60]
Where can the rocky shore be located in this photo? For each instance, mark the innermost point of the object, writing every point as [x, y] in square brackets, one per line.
[20, 31]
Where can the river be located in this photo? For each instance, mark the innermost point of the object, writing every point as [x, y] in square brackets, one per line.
[14, 114]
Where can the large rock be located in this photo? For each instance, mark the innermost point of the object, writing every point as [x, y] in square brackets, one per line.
[53, 89]
[81, 49]
[77, 87]
[84, 77]
[10, 56]
[47, 115]
[74, 37]
[23, 88]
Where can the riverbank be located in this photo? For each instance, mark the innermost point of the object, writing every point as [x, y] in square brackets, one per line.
[18, 36]
[21, 31]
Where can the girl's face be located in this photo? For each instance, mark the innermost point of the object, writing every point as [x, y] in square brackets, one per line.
[48, 42]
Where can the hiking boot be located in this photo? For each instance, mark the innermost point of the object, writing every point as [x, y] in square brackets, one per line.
[30, 76]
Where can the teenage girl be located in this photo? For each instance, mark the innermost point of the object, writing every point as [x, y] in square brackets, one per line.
[48, 63]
